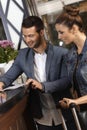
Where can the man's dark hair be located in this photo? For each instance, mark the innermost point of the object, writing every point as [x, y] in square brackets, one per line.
[31, 21]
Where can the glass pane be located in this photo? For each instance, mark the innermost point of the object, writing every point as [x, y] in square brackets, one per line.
[4, 4]
[15, 15]
[14, 36]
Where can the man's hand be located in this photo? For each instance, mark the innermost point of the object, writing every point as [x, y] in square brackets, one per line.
[34, 84]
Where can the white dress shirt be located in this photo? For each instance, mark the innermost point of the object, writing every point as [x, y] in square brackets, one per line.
[39, 66]
[50, 113]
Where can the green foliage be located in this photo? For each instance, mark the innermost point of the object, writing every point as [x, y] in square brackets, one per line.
[7, 53]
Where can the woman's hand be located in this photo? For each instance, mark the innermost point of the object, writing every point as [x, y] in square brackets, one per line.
[66, 102]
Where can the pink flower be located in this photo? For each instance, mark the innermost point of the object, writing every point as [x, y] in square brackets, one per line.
[7, 51]
[6, 43]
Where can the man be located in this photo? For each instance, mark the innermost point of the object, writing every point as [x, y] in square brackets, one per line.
[46, 74]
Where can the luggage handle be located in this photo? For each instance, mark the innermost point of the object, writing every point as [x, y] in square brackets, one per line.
[61, 116]
[73, 109]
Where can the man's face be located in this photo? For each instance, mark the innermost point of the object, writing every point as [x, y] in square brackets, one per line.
[31, 37]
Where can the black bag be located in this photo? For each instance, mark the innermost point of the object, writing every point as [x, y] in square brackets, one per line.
[35, 103]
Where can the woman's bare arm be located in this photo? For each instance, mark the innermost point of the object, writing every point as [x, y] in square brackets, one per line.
[78, 101]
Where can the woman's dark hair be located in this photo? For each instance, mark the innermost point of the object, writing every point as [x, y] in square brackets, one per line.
[69, 17]
[31, 21]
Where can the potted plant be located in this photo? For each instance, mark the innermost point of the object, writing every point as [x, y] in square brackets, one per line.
[7, 53]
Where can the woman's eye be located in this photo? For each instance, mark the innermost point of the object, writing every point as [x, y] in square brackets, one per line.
[61, 32]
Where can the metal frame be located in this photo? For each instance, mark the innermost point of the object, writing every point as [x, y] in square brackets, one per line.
[5, 21]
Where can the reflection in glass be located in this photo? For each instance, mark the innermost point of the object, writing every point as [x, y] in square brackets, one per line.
[2, 31]
[3, 97]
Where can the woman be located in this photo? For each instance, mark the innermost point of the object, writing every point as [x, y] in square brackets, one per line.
[69, 27]
[70, 30]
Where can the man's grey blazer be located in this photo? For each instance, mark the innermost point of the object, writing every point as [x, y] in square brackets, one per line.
[56, 72]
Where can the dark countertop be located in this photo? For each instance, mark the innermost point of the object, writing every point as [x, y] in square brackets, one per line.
[12, 98]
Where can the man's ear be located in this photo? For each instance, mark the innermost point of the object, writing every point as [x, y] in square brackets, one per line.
[42, 32]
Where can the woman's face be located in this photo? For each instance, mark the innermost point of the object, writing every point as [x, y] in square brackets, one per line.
[64, 33]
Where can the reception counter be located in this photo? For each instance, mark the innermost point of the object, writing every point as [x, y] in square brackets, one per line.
[11, 111]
